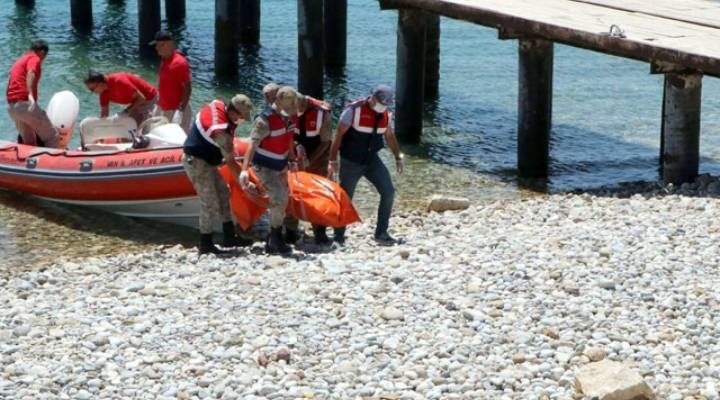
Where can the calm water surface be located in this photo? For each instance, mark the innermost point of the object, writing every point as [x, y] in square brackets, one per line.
[606, 117]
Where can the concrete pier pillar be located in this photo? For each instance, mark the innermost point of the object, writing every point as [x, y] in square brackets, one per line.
[410, 75]
[248, 22]
[226, 46]
[681, 127]
[310, 47]
[335, 33]
[535, 82]
[81, 14]
[175, 11]
[432, 57]
[148, 25]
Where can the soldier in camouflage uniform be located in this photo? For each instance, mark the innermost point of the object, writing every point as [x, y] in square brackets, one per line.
[272, 152]
[313, 139]
[209, 144]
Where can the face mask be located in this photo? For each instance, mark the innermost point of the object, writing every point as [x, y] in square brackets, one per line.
[379, 108]
[284, 114]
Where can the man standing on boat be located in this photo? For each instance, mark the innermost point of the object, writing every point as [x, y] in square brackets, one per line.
[313, 138]
[123, 88]
[32, 122]
[359, 137]
[174, 82]
[272, 153]
[209, 144]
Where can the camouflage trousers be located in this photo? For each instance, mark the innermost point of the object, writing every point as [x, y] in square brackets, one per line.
[275, 183]
[212, 191]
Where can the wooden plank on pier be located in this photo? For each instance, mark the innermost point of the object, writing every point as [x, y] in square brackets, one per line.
[700, 12]
[647, 37]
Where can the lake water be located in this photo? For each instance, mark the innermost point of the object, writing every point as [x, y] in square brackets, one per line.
[606, 110]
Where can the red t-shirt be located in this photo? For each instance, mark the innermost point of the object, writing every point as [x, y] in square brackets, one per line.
[174, 72]
[122, 87]
[17, 89]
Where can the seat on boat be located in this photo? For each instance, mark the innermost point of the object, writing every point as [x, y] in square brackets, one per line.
[113, 133]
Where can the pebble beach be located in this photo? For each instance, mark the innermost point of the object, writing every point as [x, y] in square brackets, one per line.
[504, 300]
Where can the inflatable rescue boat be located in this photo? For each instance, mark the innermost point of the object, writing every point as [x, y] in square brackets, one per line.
[109, 174]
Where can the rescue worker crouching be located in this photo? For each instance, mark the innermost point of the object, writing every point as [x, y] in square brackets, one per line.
[272, 153]
[208, 145]
[313, 139]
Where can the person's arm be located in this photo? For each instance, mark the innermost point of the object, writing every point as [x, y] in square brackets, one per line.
[335, 148]
[325, 139]
[30, 83]
[138, 99]
[260, 131]
[185, 98]
[395, 148]
[104, 111]
[227, 147]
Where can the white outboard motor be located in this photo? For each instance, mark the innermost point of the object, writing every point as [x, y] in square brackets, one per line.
[63, 112]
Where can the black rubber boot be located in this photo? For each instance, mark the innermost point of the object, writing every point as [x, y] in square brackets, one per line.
[230, 239]
[276, 244]
[321, 237]
[291, 236]
[207, 246]
[339, 236]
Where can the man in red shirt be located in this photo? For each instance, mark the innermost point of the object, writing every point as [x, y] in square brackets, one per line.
[174, 82]
[138, 96]
[32, 123]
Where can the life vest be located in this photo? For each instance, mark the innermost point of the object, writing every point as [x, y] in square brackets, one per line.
[273, 151]
[309, 125]
[366, 134]
[210, 121]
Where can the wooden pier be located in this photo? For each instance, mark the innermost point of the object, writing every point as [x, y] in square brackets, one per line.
[678, 38]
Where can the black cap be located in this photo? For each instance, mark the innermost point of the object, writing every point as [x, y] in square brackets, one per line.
[161, 36]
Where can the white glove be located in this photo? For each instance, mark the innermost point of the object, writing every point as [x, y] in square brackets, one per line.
[244, 179]
[332, 169]
[300, 152]
[177, 117]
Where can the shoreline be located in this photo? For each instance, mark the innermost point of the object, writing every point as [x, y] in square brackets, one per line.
[507, 299]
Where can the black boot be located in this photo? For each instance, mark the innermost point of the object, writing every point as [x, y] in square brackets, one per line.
[320, 234]
[207, 246]
[276, 244]
[339, 236]
[291, 236]
[230, 239]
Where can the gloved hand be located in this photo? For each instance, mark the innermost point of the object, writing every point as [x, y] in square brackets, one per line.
[244, 179]
[177, 117]
[399, 165]
[293, 166]
[300, 152]
[332, 169]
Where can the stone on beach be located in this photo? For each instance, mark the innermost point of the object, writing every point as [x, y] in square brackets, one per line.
[610, 380]
[440, 203]
[507, 300]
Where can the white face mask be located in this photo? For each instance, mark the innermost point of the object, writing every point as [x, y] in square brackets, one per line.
[379, 108]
